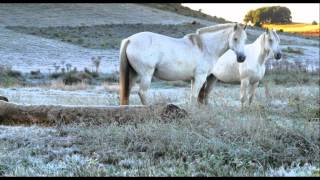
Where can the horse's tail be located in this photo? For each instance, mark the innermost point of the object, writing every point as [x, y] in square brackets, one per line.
[124, 73]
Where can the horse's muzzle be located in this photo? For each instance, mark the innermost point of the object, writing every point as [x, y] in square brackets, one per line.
[277, 56]
[241, 58]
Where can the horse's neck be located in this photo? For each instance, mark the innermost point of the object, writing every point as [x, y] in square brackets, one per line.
[216, 43]
[262, 53]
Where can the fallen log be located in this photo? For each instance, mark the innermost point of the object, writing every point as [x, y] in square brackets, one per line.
[49, 115]
[2, 98]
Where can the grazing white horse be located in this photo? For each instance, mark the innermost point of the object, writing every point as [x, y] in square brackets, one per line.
[250, 72]
[146, 54]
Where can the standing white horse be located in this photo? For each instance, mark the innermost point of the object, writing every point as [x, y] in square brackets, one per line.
[250, 72]
[146, 54]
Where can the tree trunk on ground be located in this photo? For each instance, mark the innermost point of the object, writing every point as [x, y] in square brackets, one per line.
[48, 115]
[3, 98]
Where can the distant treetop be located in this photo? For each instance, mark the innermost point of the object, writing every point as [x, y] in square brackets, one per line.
[272, 14]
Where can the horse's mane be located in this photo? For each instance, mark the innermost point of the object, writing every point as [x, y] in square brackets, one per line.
[195, 38]
[262, 36]
[214, 28]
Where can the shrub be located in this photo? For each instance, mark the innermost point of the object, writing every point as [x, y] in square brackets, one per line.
[36, 74]
[93, 74]
[71, 78]
[292, 50]
[10, 77]
[15, 74]
[56, 75]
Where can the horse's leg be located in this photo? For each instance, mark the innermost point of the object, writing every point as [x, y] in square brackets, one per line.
[133, 77]
[252, 91]
[243, 91]
[202, 93]
[199, 80]
[192, 89]
[209, 86]
[144, 85]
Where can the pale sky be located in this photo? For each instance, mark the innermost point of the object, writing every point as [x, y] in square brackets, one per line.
[300, 12]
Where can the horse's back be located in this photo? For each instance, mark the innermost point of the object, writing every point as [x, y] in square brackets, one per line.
[152, 44]
[146, 35]
[170, 58]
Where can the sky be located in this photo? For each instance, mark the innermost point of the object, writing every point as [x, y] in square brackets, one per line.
[300, 12]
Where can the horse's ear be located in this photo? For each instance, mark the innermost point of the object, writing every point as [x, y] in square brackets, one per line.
[267, 31]
[235, 27]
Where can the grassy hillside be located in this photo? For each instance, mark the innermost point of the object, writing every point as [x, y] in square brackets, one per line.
[104, 36]
[182, 10]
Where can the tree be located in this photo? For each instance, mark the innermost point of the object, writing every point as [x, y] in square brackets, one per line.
[281, 15]
[96, 61]
[249, 16]
[314, 23]
[273, 14]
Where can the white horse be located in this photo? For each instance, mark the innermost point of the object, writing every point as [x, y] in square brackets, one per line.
[146, 54]
[250, 72]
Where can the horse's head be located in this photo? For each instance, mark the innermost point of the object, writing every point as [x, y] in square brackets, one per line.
[272, 43]
[237, 41]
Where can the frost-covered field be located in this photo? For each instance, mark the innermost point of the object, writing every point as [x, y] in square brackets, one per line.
[272, 137]
[27, 53]
[277, 135]
[100, 96]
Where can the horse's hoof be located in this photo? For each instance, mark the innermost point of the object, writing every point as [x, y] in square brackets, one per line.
[2, 98]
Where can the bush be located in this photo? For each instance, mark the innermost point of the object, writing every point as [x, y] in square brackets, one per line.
[93, 74]
[292, 50]
[71, 78]
[35, 73]
[10, 77]
[15, 74]
[56, 75]
[74, 76]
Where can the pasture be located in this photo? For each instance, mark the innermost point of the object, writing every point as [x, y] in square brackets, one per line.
[51, 63]
[275, 136]
[298, 28]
